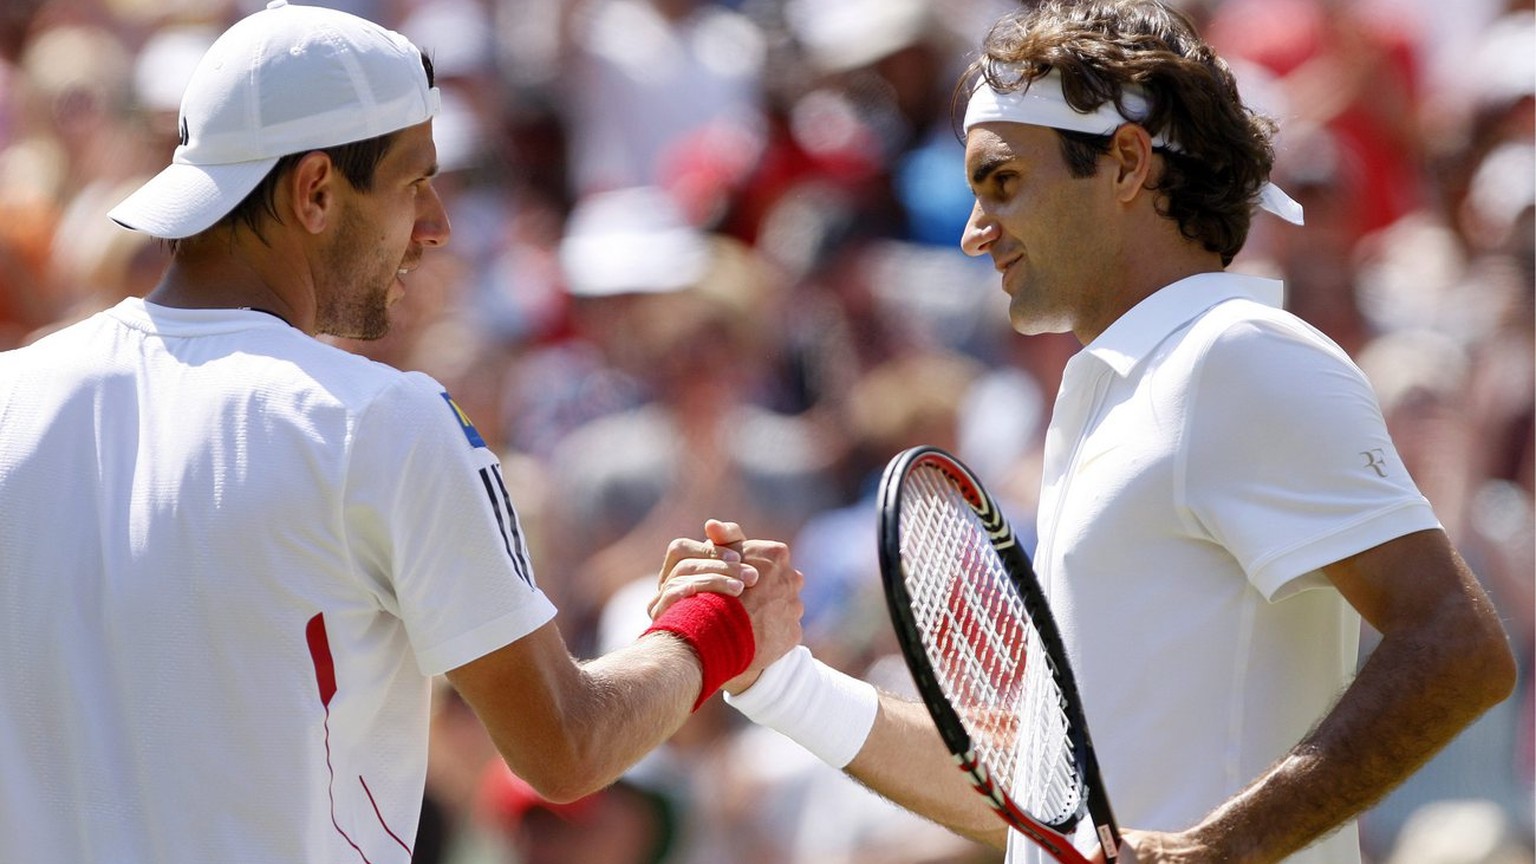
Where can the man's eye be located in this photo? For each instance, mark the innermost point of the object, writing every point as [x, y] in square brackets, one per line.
[1001, 184]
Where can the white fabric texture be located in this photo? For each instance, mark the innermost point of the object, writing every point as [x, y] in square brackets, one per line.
[819, 708]
[1042, 103]
[231, 557]
[1207, 454]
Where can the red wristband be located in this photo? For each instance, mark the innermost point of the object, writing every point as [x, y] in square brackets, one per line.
[718, 629]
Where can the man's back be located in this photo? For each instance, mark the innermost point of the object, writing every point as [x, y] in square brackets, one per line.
[188, 559]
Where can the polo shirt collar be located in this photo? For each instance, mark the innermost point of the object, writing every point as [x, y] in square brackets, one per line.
[1131, 338]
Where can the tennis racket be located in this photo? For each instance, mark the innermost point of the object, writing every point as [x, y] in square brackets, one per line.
[978, 636]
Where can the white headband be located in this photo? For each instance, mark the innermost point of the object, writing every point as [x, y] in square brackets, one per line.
[1047, 106]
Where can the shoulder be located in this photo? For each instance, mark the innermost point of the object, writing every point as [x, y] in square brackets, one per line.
[61, 359]
[1239, 324]
[1254, 344]
[352, 381]
[61, 337]
[403, 402]
[336, 395]
[1246, 368]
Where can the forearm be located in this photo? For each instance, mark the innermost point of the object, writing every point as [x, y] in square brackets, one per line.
[888, 744]
[905, 760]
[1418, 690]
[630, 701]
[570, 729]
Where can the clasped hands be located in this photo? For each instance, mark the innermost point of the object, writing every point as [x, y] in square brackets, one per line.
[759, 572]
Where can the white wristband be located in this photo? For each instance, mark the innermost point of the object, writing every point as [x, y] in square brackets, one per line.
[812, 704]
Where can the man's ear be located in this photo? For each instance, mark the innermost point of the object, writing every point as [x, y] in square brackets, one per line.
[1130, 149]
[311, 187]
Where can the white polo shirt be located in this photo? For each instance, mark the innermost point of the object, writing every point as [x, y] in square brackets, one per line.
[230, 559]
[1207, 454]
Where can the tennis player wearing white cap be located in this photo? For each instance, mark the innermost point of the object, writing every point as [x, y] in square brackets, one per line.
[232, 555]
[1221, 503]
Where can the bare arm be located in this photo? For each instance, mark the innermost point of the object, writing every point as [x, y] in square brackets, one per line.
[568, 728]
[1443, 660]
[905, 760]
[571, 728]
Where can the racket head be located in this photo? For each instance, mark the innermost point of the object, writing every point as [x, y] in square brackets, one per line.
[988, 661]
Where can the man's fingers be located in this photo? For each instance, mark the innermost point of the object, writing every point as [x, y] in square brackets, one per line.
[724, 533]
[716, 563]
[684, 548]
[721, 579]
[747, 573]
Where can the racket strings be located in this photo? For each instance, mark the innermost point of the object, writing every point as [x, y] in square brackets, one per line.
[984, 650]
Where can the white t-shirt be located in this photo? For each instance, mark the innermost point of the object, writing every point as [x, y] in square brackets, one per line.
[1208, 453]
[231, 558]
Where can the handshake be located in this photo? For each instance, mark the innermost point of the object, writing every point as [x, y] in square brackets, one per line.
[736, 602]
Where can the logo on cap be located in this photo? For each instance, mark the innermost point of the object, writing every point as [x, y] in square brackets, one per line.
[184, 136]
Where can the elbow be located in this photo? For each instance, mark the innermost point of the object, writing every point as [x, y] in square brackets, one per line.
[1500, 671]
[561, 780]
[574, 787]
[560, 789]
[1487, 662]
[562, 792]
[560, 771]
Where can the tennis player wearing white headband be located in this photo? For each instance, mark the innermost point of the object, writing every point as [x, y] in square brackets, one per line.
[234, 556]
[1043, 103]
[1220, 504]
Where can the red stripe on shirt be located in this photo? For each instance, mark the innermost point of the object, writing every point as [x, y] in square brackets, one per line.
[320, 654]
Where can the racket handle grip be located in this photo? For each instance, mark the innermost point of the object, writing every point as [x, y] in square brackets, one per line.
[819, 708]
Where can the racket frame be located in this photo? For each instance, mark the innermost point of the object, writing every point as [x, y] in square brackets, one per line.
[1021, 574]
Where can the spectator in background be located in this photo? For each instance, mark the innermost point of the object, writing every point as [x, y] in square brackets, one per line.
[1350, 68]
[642, 77]
[626, 822]
[69, 101]
[686, 319]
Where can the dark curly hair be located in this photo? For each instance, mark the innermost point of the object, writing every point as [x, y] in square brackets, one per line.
[1224, 154]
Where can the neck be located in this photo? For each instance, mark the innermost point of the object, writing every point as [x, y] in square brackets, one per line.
[233, 269]
[1145, 269]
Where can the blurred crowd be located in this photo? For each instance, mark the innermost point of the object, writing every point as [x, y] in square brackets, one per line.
[705, 263]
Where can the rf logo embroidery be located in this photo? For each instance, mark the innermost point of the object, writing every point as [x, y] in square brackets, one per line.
[1375, 460]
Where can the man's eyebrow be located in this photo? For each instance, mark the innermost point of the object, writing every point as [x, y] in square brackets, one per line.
[987, 168]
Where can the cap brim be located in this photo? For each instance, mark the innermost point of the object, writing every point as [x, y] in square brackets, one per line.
[187, 199]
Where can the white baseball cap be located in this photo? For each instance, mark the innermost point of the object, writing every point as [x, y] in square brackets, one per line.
[287, 79]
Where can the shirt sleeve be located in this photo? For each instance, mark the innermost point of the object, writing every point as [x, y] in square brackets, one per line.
[433, 528]
[1288, 462]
